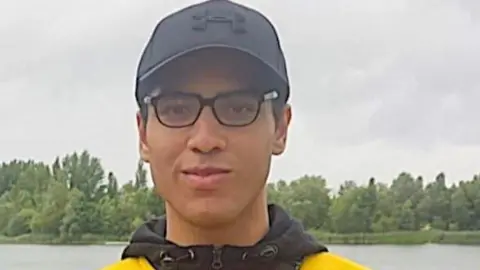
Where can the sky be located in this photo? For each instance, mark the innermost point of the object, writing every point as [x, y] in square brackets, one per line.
[378, 87]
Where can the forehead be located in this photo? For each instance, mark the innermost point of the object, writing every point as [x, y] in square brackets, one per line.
[213, 70]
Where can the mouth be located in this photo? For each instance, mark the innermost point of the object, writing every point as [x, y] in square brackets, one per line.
[205, 178]
[205, 171]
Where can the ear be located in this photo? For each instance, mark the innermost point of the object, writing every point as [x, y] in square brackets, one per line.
[281, 131]
[143, 148]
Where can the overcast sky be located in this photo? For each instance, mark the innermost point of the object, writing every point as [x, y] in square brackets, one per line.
[378, 86]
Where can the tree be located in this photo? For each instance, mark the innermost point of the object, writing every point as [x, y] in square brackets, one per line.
[73, 199]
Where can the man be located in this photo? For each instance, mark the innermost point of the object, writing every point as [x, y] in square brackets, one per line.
[212, 90]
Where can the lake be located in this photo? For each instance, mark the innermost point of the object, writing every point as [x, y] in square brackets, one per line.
[427, 257]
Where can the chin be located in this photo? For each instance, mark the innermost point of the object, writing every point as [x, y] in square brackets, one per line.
[210, 215]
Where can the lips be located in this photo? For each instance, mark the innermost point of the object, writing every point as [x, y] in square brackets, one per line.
[205, 171]
[206, 177]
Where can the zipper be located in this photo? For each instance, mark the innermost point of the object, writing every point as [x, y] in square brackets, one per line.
[217, 258]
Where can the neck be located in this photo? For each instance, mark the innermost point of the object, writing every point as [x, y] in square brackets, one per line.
[253, 223]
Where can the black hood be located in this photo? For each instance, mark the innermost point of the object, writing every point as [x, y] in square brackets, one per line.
[284, 247]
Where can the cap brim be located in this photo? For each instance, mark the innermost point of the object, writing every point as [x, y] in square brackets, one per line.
[172, 59]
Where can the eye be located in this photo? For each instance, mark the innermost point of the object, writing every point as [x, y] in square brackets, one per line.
[244, 107]
[177, 106]
[237, 104]
[174, 109]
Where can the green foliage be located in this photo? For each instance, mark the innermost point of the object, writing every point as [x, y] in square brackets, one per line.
[375, 208]
[71, 201]
[76, 200]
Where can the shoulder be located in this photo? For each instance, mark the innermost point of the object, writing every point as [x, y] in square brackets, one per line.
[130, 264]
[330, 261]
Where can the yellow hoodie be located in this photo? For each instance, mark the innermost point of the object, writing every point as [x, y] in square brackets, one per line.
[285, 247]
[321, 261]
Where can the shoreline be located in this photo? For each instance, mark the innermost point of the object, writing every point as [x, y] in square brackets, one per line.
[402, 238]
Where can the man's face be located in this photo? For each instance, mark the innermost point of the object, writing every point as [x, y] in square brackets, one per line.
[178, 156]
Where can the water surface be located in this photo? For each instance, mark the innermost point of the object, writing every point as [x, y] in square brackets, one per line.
[428, 257]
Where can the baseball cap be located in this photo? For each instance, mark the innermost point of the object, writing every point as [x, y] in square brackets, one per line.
[212, 24]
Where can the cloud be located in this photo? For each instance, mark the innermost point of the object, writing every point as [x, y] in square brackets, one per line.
[377, 86]
[409, 70]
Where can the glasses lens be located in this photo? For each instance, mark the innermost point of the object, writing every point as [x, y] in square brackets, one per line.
[177, 110]
[237, 109]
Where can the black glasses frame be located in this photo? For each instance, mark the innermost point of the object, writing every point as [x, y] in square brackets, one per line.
[261, 96]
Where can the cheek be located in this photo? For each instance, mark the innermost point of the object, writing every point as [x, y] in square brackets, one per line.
[164, 148]
[253, 148]
[252, 145]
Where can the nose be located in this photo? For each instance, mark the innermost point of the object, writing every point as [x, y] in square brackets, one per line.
[206, 137]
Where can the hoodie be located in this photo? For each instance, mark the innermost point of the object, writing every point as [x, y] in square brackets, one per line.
[283, 248]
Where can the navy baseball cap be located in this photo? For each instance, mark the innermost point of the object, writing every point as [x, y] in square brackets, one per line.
[209, 25]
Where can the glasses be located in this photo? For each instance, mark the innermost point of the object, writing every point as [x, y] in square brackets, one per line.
[233, 109]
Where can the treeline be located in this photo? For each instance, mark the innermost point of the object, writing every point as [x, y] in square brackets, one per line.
[75, 199]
